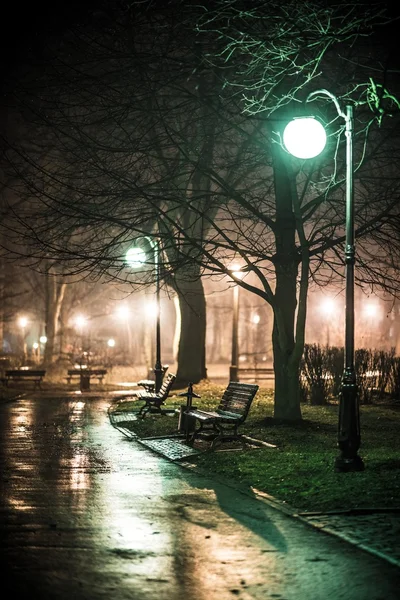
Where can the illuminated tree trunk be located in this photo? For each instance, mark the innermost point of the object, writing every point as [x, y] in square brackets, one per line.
[192, 340]
[54, 297]
[288, 327]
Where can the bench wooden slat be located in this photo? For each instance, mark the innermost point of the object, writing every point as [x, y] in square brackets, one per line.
[231, 412]
[25, 373]
[86, 374]
[204, 416]
[153, 400]
[94, 372]
[34, 375]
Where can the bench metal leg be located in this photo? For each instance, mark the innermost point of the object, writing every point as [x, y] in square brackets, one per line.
[226, 433]
[150, 406]
[203, 428]
[144, 410]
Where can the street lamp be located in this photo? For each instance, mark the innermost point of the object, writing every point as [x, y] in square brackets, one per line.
[36, 348]
[109, 351]
[349, 418]
[124, 315]
[234, 368]
[136, 257]
[328, 309]
[23, 322]
[80, 323]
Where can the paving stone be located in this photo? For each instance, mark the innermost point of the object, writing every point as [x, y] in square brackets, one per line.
[172, 449]
[377, 532]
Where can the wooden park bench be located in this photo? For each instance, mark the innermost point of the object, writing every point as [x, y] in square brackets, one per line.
[25, 375]
[149, 384]
[222, 425]
[97, 373]
[85, 375]
[256, 372]
[153, 401]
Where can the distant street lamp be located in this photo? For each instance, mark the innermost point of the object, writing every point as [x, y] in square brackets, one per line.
[81, 322]
[234, 368]
[124, 314]
[36, 348]
[371, 310]
[136, 257]
[372, 314]
[255, 319]
[328, 309]
[23, 322]
[307, 130]
[109, 351]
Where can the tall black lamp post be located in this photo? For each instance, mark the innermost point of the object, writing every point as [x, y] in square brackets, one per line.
[136, 257]
[305, 137]
[237, 273]
[233, 369]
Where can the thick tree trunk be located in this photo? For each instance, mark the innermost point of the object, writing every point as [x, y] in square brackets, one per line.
[54, 297]
[287, 389]
[192, 340]
[287, 354]
[1, 305]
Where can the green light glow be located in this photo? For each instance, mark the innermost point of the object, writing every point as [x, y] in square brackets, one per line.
[135, 257]
[304, 137]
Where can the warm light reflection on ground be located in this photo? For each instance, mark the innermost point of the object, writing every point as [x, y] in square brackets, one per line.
[21, 418]
[78, 466]
[79, 463]
[19, 504]
[133, 535]
[77, 409]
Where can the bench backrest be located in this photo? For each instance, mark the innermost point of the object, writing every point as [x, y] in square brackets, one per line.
[237, 399]
[90, 371]
[30, 372]
[166, 386]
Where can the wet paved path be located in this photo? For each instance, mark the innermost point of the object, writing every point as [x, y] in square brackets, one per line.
[88, 514]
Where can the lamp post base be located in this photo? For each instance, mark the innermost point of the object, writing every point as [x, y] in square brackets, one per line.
[233, 373]
[347, 465]
[159, 375]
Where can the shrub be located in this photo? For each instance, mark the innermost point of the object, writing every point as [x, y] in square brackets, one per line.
[377, 373]
[315, 377]
[394, 378]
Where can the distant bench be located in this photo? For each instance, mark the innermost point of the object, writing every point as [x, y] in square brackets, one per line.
[255, 372]
[85, 375]
[25, 375]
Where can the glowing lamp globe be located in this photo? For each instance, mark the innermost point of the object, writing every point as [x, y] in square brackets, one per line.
[135, 257]
[304, 137]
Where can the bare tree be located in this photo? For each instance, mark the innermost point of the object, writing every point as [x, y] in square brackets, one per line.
[170, 126]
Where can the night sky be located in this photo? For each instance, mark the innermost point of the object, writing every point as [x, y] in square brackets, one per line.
[26, 28]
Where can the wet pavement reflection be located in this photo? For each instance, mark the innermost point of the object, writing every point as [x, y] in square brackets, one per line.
[86, 513]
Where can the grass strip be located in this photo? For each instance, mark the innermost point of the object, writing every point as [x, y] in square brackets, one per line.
[300, 471]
